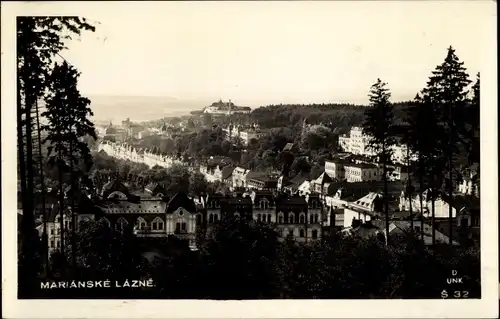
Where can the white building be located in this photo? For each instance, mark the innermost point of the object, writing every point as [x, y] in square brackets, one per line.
[223, 108]
[362, 172]
[240, 177]
[244, 132]
[335, 169]
[356, 142]
[363, 209]
[142, 156]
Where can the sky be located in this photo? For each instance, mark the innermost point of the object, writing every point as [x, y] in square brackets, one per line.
[274, 52]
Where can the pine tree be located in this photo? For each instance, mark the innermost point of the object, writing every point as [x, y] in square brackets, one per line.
[67, 113]
[473, 120]
[379, 125]
[451, 81]
[38, 40]
[421, 135]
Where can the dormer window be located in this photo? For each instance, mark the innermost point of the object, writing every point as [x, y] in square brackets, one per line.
[141, 223]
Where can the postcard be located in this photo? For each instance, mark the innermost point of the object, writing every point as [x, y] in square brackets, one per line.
[188, 159]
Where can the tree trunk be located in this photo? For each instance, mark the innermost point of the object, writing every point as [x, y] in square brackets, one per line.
[42, 182]
[450, 172]
[29, 272]
[386, 205]
[421, 182]
[409, 184]
[433, 208]
[73, 223]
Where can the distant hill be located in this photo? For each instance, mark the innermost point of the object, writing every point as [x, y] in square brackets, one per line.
[141, 108]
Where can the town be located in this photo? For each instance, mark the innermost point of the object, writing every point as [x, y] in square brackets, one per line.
[289, 201]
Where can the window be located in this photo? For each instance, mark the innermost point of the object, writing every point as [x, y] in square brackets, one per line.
[52, 244]
[157, 224]
[311, 219]
[263, 204]
[52, 231]
[314, 234]
[210, 218]
[104, 220]
[290, 232]
[280, 218]
[141, 223]
[302, 218]
[417, 229]
[198, 219]
[316, 218]
[259, 217]
[58, 244]
[268, 218]
[291, 218]
[301, 233]
[280, 232]
[121, 224]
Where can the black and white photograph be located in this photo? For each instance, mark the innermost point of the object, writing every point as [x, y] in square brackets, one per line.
[251, 151]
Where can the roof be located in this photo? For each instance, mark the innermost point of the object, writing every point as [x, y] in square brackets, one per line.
[284, 200]
[113, 185]
[227, 171]
[288, 147]
[181, 200]
[369, 203]
[361, 165]
[323, 178]
[127, 207]
[258, 195]
[299, 179]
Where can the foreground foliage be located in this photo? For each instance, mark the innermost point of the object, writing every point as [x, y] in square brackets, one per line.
[245, 260]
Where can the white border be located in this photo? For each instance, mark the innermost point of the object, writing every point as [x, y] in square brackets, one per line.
[13, 308]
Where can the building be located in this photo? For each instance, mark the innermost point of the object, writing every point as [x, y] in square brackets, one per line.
[143, 134]
[356, 142]
[400, 154]
[335, 168]
[237, 206]
[262, 181]
[294, 219]
[217, 169]
[362, 172]
[469, 182]
[264, 206]
[367, 208]
[175, 216]
[239, 177]
[318, 183]
[223, 108]
[292, 186]
[465, 212]
[141, 155]
[402, 228]
[245, 133]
